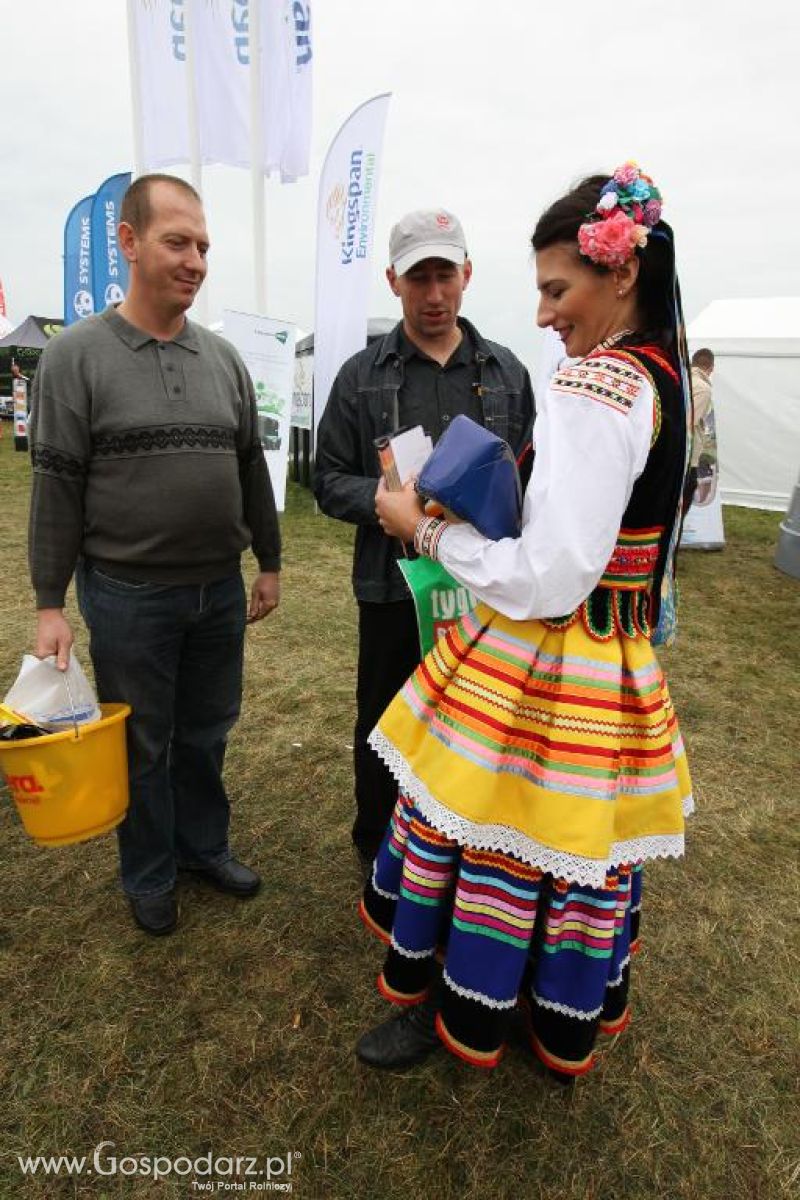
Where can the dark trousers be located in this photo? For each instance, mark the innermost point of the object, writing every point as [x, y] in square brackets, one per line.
[174, 653]
[388, 651]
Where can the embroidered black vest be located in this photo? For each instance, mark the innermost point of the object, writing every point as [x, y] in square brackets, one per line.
[626, 597]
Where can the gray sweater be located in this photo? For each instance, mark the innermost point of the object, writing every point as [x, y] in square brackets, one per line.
[146, 459]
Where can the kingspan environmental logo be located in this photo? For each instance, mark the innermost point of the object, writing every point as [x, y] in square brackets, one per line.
[349, 208]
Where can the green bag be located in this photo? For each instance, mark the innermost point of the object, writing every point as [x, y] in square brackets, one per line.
[439, 599]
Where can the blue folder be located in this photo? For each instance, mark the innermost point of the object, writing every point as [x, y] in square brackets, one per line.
[474, 473]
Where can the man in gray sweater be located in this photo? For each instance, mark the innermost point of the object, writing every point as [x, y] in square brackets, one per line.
[149, 481]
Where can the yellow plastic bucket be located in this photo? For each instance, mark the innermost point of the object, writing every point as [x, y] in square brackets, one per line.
[68, 788]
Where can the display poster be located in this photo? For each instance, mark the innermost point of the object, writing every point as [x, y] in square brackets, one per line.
[702, 525]
[301, 396]
[267, 347]
[19, 391]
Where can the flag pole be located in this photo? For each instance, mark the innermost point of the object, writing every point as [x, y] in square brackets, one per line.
[136, 98]
[256, 161]
[195, 164]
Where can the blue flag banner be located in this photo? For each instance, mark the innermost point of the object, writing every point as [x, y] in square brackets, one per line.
[109, 268]
[78, 285]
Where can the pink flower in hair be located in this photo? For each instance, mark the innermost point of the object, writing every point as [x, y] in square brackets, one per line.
[640, 235]
[611, 241]
[627, 173]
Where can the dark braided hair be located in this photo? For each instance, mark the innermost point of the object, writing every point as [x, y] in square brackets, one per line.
[654, 287]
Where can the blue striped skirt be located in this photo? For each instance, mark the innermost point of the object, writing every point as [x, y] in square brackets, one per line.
[511, 939]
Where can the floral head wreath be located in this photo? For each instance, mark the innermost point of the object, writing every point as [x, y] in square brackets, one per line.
[628, 208]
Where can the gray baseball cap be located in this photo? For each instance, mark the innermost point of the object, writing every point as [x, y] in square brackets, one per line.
[426, 233]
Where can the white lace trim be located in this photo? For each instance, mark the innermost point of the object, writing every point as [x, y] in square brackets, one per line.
[616, 982]
[468, 994]
[565, 1009]
[380, 891]
[589, 872]
[410, 953]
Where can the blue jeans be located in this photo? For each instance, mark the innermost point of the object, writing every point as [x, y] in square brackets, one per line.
[174, 653]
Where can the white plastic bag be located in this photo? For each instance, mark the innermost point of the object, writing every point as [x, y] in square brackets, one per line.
[52, 698]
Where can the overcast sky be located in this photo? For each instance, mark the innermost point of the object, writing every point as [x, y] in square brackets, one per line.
[496, 108]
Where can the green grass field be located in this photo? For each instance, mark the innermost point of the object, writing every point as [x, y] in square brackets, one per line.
[234, 1036]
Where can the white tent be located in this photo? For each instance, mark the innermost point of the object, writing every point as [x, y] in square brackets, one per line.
[756, 345]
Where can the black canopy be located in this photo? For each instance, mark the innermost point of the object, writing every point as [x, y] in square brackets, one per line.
[24, 345]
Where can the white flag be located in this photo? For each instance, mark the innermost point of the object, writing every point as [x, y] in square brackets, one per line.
[286, 56]
[221, 52]
[348, 195]
[157, 30]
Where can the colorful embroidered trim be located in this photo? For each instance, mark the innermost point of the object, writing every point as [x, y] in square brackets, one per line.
[650, 352]
[633, 559]
[585, 922]
[559, 951]
[395, 997]
[551, 695]
[659, 356]
[426, 873]
[606, 377]
[493, 902]
[476, 1058]
[612, 1028]
[373, 926]
[608, 611]
[564, 1065]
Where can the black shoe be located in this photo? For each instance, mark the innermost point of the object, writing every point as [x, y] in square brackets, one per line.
[402, 1041]
[231, 876]
[156, 915]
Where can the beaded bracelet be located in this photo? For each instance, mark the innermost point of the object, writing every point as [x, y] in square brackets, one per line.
[427, 534]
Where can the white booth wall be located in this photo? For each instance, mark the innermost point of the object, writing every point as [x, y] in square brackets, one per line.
[756, 387]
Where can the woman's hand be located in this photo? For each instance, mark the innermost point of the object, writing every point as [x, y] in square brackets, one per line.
[398, 513]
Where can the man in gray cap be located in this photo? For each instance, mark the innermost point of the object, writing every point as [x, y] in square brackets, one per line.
[432, 366]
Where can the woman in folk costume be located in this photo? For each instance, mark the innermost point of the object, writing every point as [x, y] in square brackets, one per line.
[536, 748]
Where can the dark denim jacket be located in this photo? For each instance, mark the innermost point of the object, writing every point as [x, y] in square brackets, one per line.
[365, 402]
